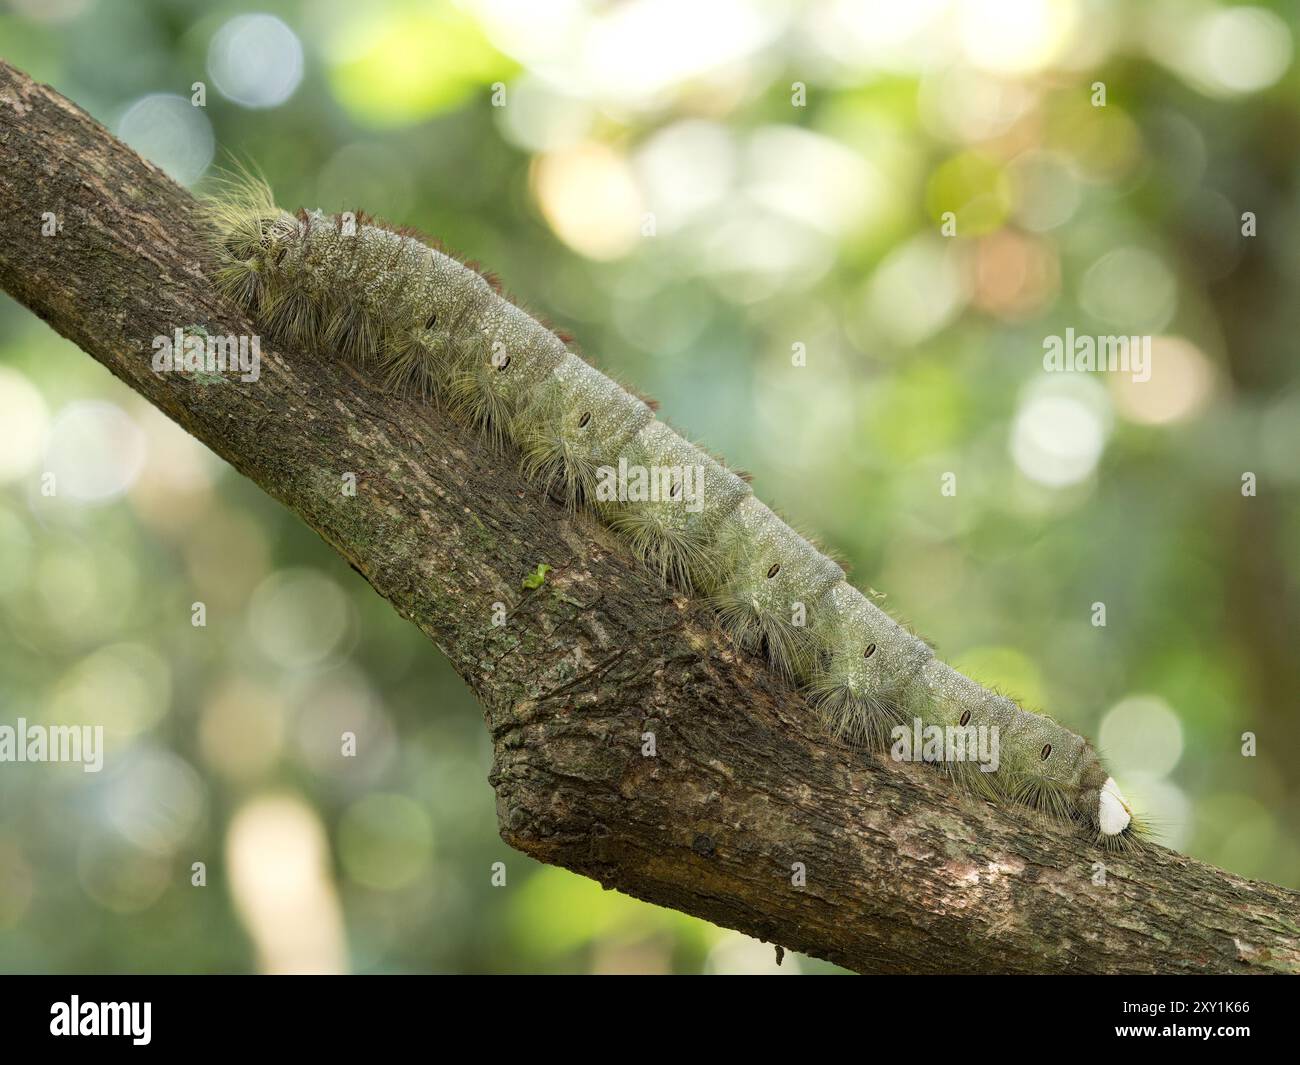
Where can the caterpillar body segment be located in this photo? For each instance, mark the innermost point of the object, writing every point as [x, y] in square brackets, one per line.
[868, 664]
[579, 422]
[524, 353]
[1042, 765]
[505, 368]
[403, 305]
[769, 577]
[671, 519]
[343, 286]
[952, 700]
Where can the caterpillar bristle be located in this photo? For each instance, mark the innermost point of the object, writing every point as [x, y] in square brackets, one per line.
[389, 299]
[974, 781]
[577, 422]
[240, 214]
[551, 456]
[676, 498]
[1131, 841]
[240, 280]
[294, 315]
[1142, 832]
[855, 717]
[1043, 797]
[787, 647]
[404, 363]
[472, 397]
[678, 556]
[411, 233]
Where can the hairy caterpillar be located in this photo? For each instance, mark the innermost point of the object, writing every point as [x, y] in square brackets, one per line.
[426, 322]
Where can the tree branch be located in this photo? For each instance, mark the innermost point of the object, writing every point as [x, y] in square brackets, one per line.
[902, 874]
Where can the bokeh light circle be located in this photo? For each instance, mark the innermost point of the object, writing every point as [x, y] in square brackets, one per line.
[1244, 49]
[1059, 432]
[1141, 734]
[95, 451]
[171, 132]
[298, 617]
[23, 416]
[255, 60]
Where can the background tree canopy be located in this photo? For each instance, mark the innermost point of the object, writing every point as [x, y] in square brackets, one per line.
[739, 208]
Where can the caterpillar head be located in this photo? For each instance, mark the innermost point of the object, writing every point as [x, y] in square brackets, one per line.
[239, 214]
[265, 267]
[869, 662]
[577, 422]
[667, 497]
[244, 227]
[773, 576]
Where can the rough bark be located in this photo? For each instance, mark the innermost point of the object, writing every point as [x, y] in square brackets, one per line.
[903, 874]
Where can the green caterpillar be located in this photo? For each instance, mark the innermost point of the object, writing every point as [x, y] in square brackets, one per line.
[424, 322]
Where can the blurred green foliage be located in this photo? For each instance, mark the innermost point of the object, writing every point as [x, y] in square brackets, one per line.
[788, 281]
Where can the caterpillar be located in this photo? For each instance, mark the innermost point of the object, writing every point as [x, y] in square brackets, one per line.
[424, 322]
